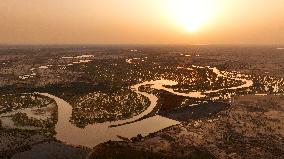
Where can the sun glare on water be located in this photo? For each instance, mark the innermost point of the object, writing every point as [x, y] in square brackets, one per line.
[192, 14]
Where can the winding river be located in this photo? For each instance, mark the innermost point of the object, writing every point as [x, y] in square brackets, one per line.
[94, 134]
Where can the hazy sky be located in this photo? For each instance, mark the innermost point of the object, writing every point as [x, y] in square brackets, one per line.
[142, 21]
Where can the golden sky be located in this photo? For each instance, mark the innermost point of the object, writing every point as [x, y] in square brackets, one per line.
[142, 21]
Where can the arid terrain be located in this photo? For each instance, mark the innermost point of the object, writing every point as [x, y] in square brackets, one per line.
[152, 101]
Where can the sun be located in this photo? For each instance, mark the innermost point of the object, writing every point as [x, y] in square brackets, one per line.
[191, 14]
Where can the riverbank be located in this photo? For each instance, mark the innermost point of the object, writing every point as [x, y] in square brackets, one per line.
[252, 128]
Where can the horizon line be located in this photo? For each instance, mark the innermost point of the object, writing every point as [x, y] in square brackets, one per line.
[139, 44]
